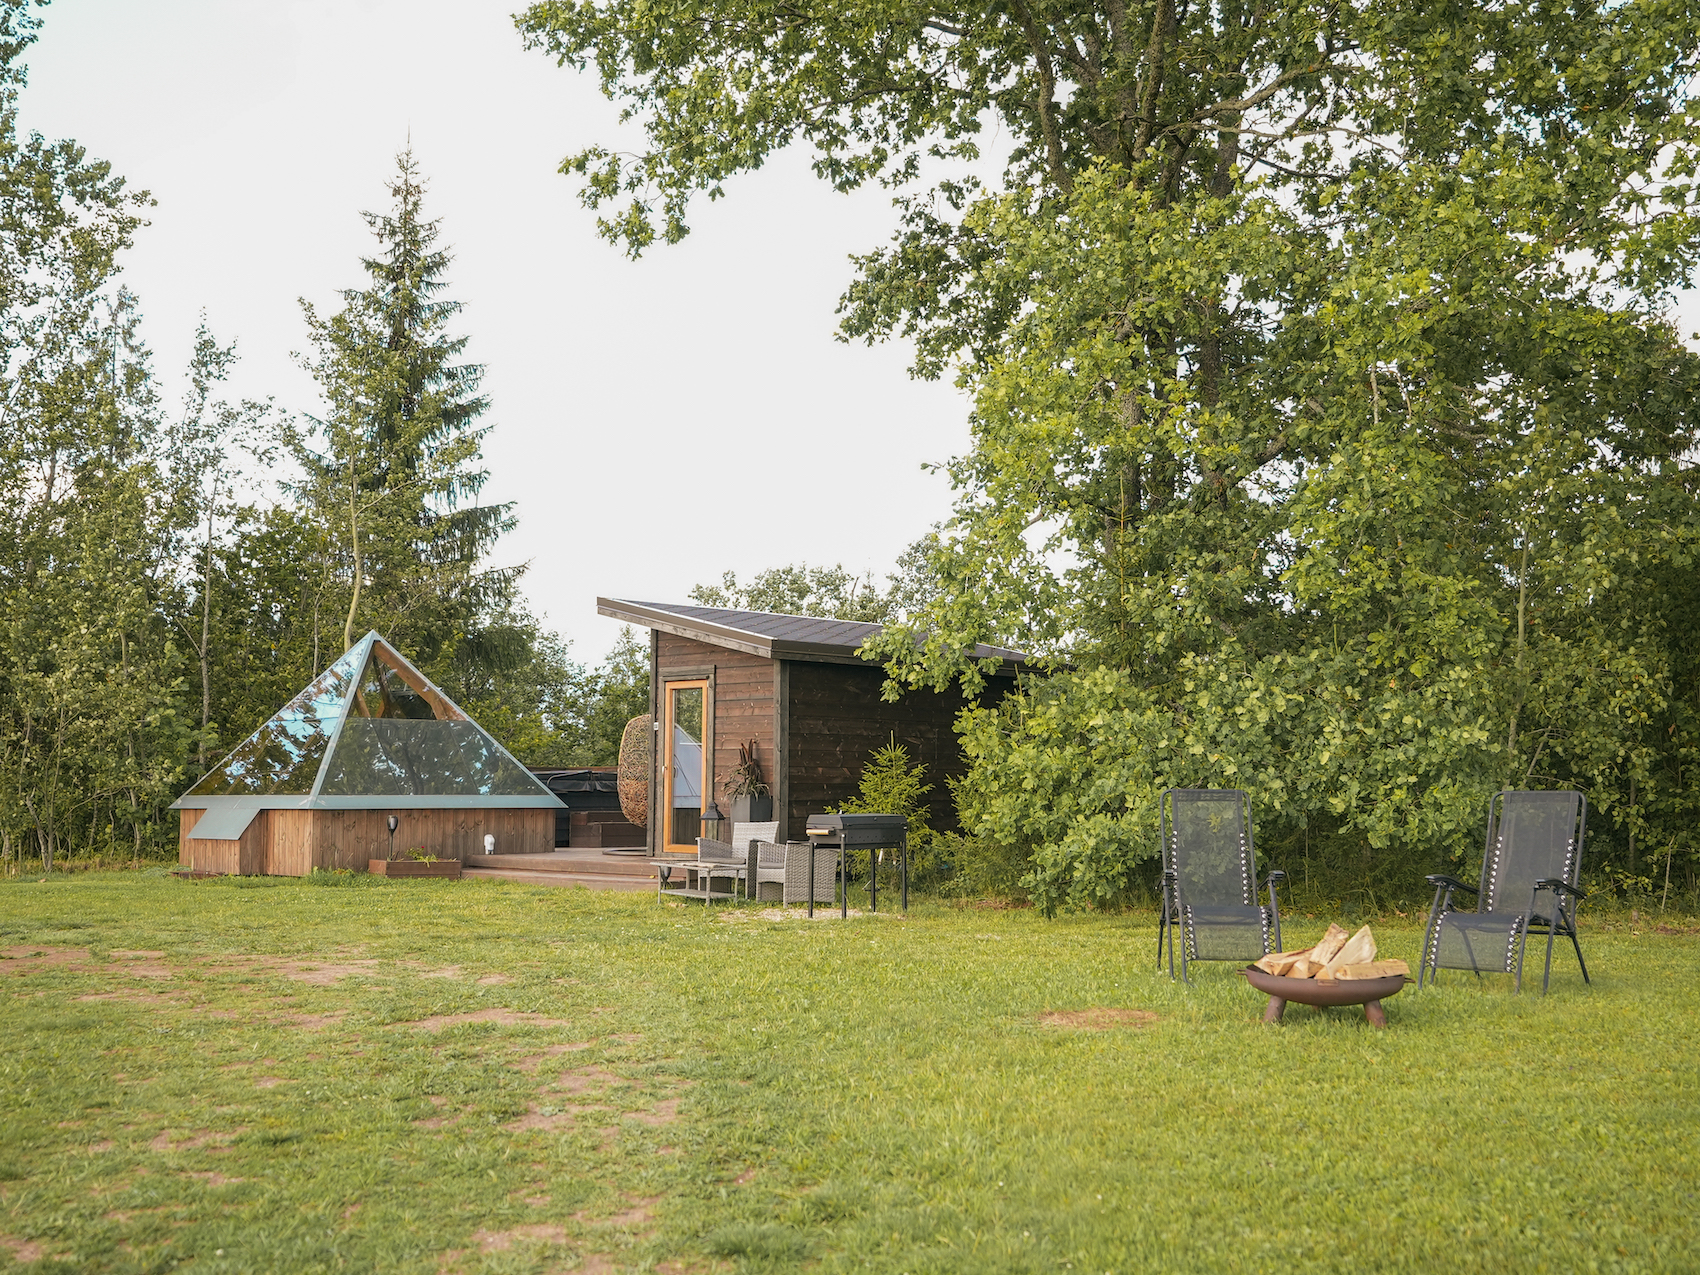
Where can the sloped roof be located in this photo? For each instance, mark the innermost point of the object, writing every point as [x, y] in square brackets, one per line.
[371, 730]
[767, 633]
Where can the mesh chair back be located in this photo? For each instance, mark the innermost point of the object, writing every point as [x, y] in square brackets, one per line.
[1208, 847]
[1532, 836]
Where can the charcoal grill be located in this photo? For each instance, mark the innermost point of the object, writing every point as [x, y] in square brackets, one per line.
[848, 834]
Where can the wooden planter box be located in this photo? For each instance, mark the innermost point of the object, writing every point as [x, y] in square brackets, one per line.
[449, 868]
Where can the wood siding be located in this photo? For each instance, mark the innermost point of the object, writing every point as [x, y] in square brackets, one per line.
[741, 702]
[246, 857]
[835, 718]
[291, 843]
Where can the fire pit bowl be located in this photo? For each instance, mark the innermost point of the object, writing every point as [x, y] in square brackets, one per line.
[1368, 992]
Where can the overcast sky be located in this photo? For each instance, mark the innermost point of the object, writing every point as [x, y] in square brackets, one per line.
[658, 422]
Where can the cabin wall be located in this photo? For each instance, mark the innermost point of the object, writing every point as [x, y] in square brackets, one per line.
[246, 857]
[291, 843]
[741, 693]
[835, 717]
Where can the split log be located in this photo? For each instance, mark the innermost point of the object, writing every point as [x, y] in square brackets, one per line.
[1372, 969]
[1281, 963]
[1331, 943]
[1357, 950]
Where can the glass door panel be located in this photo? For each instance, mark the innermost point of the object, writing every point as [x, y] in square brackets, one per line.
[685, 766]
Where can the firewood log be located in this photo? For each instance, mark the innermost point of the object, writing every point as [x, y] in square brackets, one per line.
[1280, 963]
[1357, 950]
[1331, 943]
[1372, 969]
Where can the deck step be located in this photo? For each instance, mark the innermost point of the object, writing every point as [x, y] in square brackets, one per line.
[592, 863]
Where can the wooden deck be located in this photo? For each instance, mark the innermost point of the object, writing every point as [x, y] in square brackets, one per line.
[589, 868]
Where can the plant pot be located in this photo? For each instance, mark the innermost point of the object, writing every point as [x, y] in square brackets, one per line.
[449, 868]
[752, 809]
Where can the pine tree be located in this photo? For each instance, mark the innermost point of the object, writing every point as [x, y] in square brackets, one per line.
[390, 471]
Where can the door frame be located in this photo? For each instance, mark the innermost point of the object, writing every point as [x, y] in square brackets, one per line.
[682, 679]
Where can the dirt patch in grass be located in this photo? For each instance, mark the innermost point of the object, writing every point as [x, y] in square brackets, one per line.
[213, 1178]
[586, 1078]
[22, 960]
[1101, 1018]
[506, 1017]
[137, 997]
[270, 1082]
[552, 1118]
[320, 973]
[1674, 929]
[313, 1022]
[494, 980]
[500, 1241]
[194, 1140]
[139, 964]
[638, 1212]
[822, 913]
[532, 1062]
[665, 1112]
[22, 1250]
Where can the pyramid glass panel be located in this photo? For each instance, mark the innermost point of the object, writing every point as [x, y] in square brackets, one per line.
[386, 693]
[283, 756]
[402, 757]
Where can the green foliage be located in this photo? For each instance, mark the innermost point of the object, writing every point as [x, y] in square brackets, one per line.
[92, 727]
[608, 697]
[389, 478]
[830, 592]
[1330, 436]
[890, 785]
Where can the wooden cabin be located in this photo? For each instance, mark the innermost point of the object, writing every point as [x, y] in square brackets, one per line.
[794, 685]
[369, 739]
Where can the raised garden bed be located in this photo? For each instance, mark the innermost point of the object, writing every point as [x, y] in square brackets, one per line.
[449, 868]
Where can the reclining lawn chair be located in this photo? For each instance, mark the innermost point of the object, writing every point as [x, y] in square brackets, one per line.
[1534, 849]
[1209, 880]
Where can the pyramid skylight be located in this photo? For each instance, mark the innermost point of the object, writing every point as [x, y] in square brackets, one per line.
[371, 725]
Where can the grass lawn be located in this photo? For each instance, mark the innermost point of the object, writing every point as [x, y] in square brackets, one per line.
[463, 1077]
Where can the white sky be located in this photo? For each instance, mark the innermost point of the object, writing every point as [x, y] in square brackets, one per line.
[658, 422]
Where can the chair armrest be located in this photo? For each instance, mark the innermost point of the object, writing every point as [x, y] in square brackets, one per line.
[1450, 883]
[1563, 887]
[1275, 877]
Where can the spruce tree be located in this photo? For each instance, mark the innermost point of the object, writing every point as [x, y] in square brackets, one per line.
[390, 471]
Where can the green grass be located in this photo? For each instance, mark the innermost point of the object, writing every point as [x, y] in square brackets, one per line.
[755, 1095]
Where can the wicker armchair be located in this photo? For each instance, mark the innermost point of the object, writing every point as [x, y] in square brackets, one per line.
[782, 873]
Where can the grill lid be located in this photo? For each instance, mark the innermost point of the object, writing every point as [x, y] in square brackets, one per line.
[859, 830]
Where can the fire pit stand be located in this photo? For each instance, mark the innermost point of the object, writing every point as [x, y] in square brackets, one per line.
[1368, 992]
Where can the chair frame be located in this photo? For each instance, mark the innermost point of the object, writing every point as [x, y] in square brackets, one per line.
[1172, 914]
[1565, 892]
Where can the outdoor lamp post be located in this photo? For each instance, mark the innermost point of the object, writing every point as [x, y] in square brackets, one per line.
[392, 821]
[711, 821]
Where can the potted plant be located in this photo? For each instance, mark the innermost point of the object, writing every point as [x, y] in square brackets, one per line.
[751, 800]
[415, 863]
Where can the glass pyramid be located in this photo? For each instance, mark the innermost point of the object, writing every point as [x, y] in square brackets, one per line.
[370, 725]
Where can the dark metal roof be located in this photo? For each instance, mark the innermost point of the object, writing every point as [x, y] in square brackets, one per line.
[764, 633]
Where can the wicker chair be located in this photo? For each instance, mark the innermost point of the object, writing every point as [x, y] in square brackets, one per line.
[782, 873]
